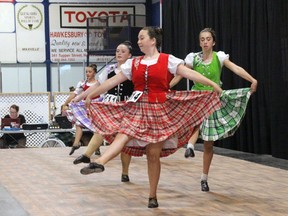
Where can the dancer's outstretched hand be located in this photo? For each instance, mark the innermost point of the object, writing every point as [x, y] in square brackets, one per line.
[253, 86]
[87, 102]
[218, 90]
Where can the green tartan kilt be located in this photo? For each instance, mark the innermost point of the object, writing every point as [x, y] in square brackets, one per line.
[226, 120]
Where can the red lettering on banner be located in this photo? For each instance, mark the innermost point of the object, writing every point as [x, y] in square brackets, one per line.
[103, 13]
[69, 15]
[78, 16]
[113, 14]
[124, 16]
[81, 16]
[92, 14]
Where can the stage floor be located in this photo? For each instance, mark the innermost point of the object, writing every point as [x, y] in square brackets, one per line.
[44, 182]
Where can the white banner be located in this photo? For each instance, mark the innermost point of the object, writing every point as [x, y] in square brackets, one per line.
[29, 1]
[30, 32]
[98, 1]
[70, 46]
[68, 33]
[76, 16]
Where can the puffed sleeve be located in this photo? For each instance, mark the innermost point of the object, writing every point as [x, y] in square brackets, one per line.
[79, 87]
[222, 56]
[126, 68]
[189, 59]
[103, 76]
[173, 63]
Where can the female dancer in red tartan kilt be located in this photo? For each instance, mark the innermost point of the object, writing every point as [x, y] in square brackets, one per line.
[156, 121]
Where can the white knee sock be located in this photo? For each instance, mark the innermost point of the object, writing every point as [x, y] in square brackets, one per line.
[190, 145]
[204, 177]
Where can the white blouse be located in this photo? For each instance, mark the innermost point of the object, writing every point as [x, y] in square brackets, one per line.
[190, 58]
[173, 63]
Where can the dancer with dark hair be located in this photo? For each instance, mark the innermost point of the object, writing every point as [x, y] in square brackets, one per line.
[91, 71]
[120, 93]
[152, 119]
[225, 121]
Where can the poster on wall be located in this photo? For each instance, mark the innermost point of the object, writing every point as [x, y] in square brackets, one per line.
[30, 32]
[68, 29]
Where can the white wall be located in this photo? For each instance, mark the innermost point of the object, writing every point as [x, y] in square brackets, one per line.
[25, 41]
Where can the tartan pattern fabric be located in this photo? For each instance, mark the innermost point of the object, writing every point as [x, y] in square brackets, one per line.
[226, 120]
[79, 115]
[70, 116]
[154, 122]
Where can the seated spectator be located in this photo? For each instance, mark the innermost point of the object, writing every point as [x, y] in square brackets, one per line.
[17, 140]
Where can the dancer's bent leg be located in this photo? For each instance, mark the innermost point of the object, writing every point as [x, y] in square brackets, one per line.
[93, 145]
[113, 150]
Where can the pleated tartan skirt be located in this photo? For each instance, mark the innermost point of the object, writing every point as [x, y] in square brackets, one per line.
[147, 122]
[78, 115]
[226, 120]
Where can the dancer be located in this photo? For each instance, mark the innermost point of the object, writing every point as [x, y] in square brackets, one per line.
[225, 121]
[120, 93]
[153, 114]
[91, 71]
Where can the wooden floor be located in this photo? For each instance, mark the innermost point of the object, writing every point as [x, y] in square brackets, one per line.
[44, 182]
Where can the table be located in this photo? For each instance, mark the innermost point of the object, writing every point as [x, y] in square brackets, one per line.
[51, 141]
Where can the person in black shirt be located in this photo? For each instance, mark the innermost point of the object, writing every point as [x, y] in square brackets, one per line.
[17, 140]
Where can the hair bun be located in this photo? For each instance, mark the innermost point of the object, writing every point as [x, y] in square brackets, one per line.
[127, 42]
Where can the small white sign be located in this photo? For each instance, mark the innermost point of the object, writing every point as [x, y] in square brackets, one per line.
[110, 98]
[30, 32]
[135, 96]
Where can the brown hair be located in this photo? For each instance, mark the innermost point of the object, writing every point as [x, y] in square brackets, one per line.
[211, 31]
[94, 67]
[128, 44]
[155, 32]
[14, 106]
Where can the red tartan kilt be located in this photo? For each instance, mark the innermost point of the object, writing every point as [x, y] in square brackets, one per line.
[154, 122]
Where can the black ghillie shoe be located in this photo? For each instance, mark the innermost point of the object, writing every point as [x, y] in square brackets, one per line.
[97, 152]
[189, 153]
[125, 178]
[81, 159]
[92, 168]
[152, 203]
[204, 186]
[73, 149]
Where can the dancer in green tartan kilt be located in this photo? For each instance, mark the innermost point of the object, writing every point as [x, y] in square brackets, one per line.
[226, 120]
